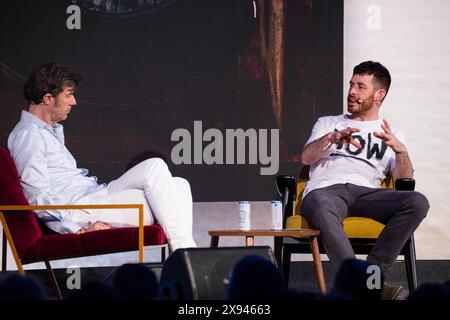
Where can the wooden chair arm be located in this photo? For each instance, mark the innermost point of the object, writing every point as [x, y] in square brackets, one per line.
[140, 207]
[405, 184]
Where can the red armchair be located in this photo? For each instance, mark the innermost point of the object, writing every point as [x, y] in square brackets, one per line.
[31, 241]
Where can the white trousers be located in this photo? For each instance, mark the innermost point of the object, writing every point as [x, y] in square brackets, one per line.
[167, 200]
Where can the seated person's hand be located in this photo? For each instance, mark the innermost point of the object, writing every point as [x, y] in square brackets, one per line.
[346, 137]
[343, 136]
[98, 225]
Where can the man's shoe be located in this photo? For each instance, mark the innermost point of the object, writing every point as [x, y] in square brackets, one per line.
[391, 292]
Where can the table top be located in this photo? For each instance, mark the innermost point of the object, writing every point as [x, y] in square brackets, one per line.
[266, 232]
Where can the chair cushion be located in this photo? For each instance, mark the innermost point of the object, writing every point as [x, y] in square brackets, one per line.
[354, 227]
[366, 228]
[296, 222]
[11, 193]
[61, 246]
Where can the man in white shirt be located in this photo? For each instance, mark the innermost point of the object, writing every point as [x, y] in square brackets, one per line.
[349, 156]
[49, 173]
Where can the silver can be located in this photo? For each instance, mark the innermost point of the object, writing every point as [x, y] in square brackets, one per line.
[277, 215]
[244, 215]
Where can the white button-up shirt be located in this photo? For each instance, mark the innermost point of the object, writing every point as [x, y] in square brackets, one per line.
[48, 171]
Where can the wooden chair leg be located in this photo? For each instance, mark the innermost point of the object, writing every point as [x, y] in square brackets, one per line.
[318, 265]
[407, 261]
[7, 236]
[410, 263]
[214, 241]
[163, 253]
[4, 251]
[286, 265]
[278, 247]
[53, 281]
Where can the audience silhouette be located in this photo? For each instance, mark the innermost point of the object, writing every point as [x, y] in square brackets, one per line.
[431, 291]
[16, 286]
[357, 280]
[93, 290]
[134, 282]
[254, 277]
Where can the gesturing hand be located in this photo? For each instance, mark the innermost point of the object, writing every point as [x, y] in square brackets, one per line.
[389, 138]
[343, 136]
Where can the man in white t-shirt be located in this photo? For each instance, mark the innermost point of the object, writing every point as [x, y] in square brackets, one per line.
[349, 156]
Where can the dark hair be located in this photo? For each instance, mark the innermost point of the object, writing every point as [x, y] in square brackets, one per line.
[430, 291]
[134, 282]
[255, 277]
[48, 78]
[92, 290]
[16, 286]
[380, 73]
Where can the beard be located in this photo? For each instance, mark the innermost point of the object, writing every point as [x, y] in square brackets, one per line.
[361, 108]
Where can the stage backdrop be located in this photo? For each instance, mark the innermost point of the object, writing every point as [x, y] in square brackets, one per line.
[411, 37]
[156, 68]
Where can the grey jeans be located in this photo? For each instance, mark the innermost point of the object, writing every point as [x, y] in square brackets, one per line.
[400, 211]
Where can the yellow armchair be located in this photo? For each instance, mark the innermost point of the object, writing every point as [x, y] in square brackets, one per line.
[362, 232]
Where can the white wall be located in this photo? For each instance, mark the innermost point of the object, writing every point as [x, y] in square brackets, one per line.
[412, 39]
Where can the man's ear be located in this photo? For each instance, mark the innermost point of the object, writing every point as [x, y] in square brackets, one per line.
[379, 95]
[47, 99]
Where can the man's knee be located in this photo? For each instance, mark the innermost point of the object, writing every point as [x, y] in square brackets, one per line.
[182, 183]
[155, 162]
[419, 203]
[152, 169]
[320, 211]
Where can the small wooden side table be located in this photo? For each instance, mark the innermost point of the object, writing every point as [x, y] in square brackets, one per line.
[278, 244]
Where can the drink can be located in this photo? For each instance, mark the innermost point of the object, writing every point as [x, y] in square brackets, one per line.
[244, 215]
[277, 215]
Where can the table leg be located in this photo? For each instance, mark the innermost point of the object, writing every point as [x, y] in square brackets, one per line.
[249, 241]
[318, 265]
[278, 248]
[214, 241]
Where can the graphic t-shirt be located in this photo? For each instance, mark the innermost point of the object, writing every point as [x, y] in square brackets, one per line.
[344, 163]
